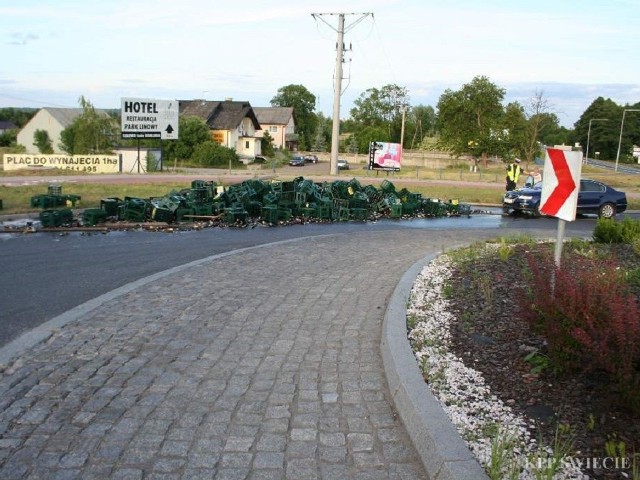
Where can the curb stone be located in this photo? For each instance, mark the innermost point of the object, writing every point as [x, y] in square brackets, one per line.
[443, 452]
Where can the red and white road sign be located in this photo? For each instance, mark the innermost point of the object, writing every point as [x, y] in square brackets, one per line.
[561, 183]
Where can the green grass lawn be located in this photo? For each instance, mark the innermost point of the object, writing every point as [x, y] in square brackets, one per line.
[18, 199]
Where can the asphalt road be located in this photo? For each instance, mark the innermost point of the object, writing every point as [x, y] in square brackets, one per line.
[44, 274]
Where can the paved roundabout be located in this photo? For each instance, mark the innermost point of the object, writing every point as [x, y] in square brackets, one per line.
[267, 364]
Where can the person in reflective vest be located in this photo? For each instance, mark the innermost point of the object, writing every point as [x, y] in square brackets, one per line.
[514, 170]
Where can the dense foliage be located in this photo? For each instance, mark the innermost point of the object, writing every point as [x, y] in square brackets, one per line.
[605, 117]
[19, 117]
[303, 103]
[212, 154]
[193, 131]
[90, 133]
[42, 140]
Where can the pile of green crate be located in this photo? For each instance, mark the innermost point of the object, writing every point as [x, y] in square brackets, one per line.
[54, 198]
[56, 207]
[274, 202]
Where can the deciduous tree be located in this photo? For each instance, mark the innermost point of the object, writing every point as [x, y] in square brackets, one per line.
[382, 108]
[605, 130]
[193, 131]
[89, 133]
[420, 123]
[471, 119]
[303, 103]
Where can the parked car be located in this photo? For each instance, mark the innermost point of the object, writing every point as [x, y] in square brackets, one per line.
[297, 161]
[311, 158]
[593, 198]
[343, 164]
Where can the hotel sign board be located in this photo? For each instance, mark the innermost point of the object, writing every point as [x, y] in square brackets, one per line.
[149, 118]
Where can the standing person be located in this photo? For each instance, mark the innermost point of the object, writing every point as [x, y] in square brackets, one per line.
[533, 177]
[537, 175]
[514, 170]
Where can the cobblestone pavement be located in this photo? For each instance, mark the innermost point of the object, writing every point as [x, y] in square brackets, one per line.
[263, 364]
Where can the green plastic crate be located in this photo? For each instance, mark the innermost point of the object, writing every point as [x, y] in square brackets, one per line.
[110, 206]
[396, 210]
[160, 214]
[409, 208]
[203, 209]
[284, 213]
[324, 211]
[93, 216]
[235, 215]
[182, 212]
[270, 213]
[360, 213]
[47, 201]
[56, 218]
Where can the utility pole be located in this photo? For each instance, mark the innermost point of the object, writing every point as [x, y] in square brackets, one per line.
[404, 115]
[337, 83]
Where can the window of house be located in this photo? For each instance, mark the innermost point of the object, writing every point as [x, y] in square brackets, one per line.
[273, 129]
[246, 144]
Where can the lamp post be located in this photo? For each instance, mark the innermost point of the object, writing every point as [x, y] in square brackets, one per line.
[586, 157]
[621, 127]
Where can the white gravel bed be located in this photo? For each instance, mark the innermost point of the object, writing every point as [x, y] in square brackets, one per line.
[462, 391]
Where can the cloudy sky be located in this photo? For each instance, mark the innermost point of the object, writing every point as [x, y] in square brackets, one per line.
[572, 51]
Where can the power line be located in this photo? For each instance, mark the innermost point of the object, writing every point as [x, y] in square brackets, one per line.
[2, 95]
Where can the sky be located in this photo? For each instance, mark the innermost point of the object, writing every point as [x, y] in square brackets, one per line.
[571, 51]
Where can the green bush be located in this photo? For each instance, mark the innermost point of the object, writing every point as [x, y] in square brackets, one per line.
[608, 230]
[212, 154]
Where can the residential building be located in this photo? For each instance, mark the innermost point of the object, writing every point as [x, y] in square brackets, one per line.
[51, 120]
[280, 124]
[6, 125]
[233, 124]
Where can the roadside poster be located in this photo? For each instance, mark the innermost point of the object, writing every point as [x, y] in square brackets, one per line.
[149, 118]
[385, 156]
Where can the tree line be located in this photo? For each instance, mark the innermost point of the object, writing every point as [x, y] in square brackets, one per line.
[473, 121]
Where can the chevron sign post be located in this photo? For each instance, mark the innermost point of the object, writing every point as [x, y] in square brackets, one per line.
[560, 188]
[561, 182]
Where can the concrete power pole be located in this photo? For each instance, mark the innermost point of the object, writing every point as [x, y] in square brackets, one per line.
[337, 83]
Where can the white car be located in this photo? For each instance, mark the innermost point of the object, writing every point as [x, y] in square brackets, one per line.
[343, 164]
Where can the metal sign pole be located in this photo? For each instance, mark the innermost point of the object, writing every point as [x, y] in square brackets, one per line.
[557, 254]
[559, 241]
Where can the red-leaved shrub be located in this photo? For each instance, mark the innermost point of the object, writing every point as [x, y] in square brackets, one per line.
[588, 316]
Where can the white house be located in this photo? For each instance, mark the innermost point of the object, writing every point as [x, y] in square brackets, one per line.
[51, 120]
[233, 124]
[280, 124]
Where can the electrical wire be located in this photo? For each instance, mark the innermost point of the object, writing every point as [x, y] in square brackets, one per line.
[2, 95]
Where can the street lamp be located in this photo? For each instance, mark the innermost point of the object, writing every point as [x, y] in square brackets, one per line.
[586, 157]
[621, 127]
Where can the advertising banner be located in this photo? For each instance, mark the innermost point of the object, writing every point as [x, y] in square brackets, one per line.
[385, 156]
[79, 163]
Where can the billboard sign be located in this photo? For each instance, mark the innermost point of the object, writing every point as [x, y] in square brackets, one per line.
[78, 163]
[148, 118]
[385, 156]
